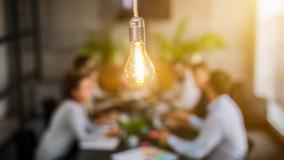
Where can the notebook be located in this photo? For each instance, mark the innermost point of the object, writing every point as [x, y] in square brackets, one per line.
[144, 153]
[99, 141]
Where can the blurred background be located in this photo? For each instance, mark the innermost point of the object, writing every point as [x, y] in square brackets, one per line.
[40, 38]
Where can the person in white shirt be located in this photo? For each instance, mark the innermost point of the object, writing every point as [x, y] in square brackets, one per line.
[102, 100]
[201, 75]
[186, 93]
[70, 122]
[222, 134]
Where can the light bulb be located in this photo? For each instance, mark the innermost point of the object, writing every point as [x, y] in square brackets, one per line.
[139, 69]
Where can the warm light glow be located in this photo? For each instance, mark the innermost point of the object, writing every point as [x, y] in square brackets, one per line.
[139, 69]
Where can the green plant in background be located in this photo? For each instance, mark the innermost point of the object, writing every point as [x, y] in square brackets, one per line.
[103, 50]
[135, 126]
[108, 53]
[176, 48]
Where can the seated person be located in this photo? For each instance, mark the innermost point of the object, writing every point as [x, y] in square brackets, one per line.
[101, 98]
[201, 75]
[70, 122]
[186, 93]
[83, 62]
[222, 134]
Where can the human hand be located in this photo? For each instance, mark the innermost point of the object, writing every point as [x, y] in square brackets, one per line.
[163, 136]
[113, 132]
[113, 116]
[170, 122]
[107, 118]
[179, 115]
[102, 120]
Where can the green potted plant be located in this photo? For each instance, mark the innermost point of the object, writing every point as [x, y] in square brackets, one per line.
[101, 48]
[178, 48]
[105, 51]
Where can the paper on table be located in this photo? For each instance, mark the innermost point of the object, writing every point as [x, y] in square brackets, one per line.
[144, 153]
[100, 143]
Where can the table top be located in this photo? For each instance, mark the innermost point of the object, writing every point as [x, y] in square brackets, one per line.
[106, 155]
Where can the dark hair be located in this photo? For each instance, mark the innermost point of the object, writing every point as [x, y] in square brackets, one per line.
[201, 65]
[220, 82]
[83, 61]
[71, 81]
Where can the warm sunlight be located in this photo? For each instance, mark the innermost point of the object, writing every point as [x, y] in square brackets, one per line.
[141, 79]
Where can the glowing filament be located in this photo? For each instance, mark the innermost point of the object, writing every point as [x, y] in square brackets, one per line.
[139, 68]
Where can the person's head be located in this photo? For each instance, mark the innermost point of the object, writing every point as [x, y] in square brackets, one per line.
[83, 61]
[218, 84]
[86, 63]
[201, 74]
[77, 85]
[179, 68]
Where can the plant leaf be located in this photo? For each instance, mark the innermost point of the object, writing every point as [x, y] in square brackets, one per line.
[180, 30]
[211, 41]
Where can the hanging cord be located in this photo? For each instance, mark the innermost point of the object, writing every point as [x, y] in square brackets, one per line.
[135, 8]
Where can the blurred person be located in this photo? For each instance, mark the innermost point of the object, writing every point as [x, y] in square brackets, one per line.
[186, 93]
[222, 134]
[70, 122]
[201, 75]
[180, 118]
[83, 62]
[101, 99]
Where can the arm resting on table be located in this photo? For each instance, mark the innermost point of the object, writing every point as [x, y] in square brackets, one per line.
[199, 148]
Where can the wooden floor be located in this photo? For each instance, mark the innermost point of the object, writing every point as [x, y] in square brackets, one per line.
[266, 146]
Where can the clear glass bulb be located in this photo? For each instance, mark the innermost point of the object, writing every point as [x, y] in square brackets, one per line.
[139, 69]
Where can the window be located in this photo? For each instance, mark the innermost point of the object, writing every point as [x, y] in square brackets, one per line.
[20, 58]
[269, 68]
[3, 63]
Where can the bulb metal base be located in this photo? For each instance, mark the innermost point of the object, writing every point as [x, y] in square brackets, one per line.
[137, 29]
